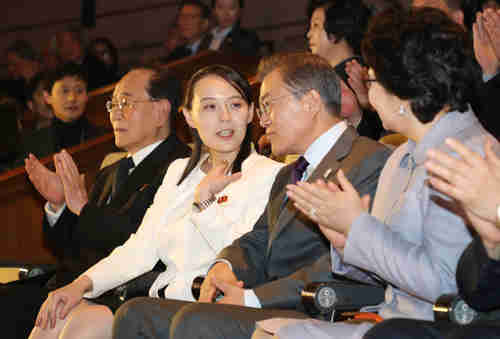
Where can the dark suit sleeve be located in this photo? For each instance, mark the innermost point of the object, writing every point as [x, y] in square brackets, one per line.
[485, 105]
[285, 292]
[478, 277]
[58, 237]
[247, 254]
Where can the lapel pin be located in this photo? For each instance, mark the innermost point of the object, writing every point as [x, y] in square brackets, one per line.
[222, 199]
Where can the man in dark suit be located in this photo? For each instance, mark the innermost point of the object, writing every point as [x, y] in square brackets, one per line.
[228, 36]
[192, 21]
[83, 228]
[267, 267]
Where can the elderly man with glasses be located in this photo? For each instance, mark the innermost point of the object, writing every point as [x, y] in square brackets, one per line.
[82, 227]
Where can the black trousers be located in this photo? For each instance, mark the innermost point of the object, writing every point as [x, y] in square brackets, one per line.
[415, 329]
[163, 319]
[21, 301]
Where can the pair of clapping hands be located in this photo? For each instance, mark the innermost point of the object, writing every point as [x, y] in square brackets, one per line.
[486, 37]
[65, 185]
[471, 180]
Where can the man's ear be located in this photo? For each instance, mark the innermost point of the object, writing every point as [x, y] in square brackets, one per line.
[188, 117]
[47, 97]
[311, 102]
[163, 112]
[30, 105]
[458, 17]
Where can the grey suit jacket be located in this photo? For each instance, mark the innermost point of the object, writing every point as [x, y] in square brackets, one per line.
[285, 250]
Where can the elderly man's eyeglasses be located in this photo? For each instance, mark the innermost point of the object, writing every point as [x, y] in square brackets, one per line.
[265, 105]
[124, 104]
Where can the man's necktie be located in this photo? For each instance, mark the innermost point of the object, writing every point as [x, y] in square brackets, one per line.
[299, 168]
[124, 166]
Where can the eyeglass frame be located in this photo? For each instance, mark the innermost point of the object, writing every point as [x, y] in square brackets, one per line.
[261, 111]
[121, 105]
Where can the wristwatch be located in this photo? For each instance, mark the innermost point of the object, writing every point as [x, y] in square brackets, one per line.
[200, 206]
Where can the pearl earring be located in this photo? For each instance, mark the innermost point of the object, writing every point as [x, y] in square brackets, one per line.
[402, 110]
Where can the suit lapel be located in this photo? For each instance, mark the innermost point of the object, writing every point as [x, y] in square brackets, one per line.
[326, 169]
[145, 171]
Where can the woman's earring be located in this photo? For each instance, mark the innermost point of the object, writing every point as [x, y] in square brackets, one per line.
[402, 110]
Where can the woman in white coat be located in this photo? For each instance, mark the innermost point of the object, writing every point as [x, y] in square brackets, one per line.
[203, 204]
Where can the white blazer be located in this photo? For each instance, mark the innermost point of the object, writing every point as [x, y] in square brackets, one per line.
[185, 240]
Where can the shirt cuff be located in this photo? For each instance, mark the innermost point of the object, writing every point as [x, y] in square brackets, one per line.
[251, 299]
[488, 77]
[52, 216]
[221, 260]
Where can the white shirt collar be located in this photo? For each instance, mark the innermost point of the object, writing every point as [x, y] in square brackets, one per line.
[194, 46]
[141, 154]
[322, 145]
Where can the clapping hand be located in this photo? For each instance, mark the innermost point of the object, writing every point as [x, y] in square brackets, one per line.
[334, 207]
[75, 192]
[47, 182]
[474, 182]
[215, 181]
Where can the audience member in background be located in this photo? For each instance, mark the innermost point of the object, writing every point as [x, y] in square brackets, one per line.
[268, 266]
[22, 65]
[199, 209]
[102, 59]
[66, 93]
[83, 227]
[474, 183]
[173, 39]
[421, 69]
[485, 37]
[10, 114]
[227, 35]
[35, 100]
[193, 21]
[335, 32]
[70, 46]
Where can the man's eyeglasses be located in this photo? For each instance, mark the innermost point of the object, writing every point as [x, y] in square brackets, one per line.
[124, 104]
[265, 105]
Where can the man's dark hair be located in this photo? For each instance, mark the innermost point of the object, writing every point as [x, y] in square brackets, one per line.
[422, 56]
[163, 85]
[69, 69]
[240, 2]
[23, 50]
[239, 83]
[32, 85]
[302, 72]
[205, 10]
[344, 19]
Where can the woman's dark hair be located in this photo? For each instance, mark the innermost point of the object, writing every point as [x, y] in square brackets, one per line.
[344, 19]
[238, 82]
[421, 55]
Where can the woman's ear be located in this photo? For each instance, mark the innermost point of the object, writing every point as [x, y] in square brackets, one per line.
[188, 117]
[251, 112]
